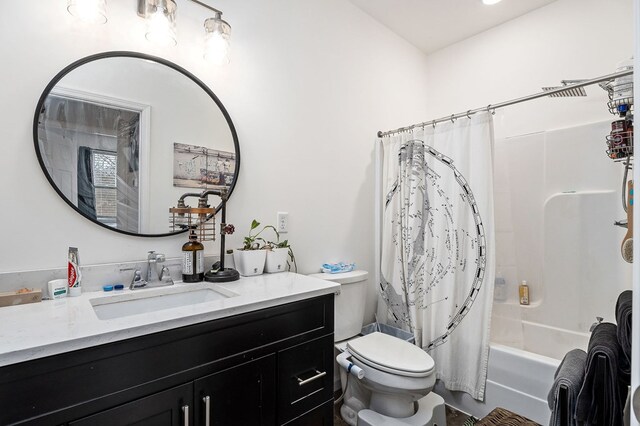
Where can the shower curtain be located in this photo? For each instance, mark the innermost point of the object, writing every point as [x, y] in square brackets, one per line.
[437, 254]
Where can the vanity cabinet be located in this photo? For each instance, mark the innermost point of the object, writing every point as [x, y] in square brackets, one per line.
[267, 367]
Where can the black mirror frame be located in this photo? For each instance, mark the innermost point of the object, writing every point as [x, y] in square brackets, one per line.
[128, 54]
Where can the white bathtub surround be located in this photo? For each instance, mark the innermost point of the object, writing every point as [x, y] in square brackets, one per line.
[56, 326]
[517, 380]
[437, 262]
[508, 328]
[555, 229]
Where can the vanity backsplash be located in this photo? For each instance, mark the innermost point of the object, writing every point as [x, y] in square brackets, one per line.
[93, 276]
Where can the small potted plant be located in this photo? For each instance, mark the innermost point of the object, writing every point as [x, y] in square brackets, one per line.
[277, 254]
[250, 259]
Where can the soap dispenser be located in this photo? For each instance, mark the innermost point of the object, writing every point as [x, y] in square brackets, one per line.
[192, 259]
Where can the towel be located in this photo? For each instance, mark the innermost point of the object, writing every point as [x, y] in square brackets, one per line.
[601, 399]
[570, 373]
[623, 318]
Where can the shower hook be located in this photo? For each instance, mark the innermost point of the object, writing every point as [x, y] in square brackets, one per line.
[433, 123]
[452, 120]
[468, 116]
[492, 111]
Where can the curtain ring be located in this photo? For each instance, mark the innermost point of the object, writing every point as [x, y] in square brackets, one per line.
[452, 120]
[492, 111]
[468, 116]
[433, 123]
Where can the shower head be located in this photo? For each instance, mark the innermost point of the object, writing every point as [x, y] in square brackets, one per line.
[570, 92]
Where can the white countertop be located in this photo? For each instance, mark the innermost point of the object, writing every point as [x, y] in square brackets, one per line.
[51, 327]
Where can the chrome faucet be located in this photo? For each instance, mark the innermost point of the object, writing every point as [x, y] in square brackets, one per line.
[153, 279]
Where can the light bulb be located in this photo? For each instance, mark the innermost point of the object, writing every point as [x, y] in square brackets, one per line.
[217, 40]
[91, 11]
[216, 49]
[161, 24]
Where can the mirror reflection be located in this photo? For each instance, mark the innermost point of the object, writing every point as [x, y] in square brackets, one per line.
[120, 138]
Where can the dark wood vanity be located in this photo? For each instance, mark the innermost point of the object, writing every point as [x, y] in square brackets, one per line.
[272, 366]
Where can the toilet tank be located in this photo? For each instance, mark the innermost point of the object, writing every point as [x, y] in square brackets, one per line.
[349, 305]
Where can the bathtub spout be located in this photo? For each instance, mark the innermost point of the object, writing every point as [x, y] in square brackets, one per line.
[595, 324]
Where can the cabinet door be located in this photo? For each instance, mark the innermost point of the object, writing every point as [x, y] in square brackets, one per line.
[242, 395]
[167, 408]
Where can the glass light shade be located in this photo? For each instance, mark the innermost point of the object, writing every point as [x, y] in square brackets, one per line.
[91, 11]
[161, 22]
[217, 40]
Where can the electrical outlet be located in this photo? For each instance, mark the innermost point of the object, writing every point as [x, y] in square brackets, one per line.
[283, 222]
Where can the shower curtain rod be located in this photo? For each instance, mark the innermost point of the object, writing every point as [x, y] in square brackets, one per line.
[493, 107]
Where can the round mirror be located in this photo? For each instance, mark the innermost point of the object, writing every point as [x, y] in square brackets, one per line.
[121, 136]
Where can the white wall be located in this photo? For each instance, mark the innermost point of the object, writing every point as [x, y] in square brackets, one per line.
[568, 39]
[309, 85]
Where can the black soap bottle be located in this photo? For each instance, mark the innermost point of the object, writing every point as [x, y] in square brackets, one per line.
[192, 259]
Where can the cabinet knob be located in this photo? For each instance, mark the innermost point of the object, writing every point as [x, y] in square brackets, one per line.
[311, 379]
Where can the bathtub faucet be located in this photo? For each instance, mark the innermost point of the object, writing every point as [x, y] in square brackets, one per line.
[595, 324]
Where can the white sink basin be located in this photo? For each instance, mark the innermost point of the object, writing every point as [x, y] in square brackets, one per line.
[150, 300]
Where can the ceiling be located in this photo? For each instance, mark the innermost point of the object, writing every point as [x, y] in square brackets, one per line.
[433, 24]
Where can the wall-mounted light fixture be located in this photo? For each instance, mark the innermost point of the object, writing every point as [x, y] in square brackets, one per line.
[160, 16]
[161, 27]
[92, 11]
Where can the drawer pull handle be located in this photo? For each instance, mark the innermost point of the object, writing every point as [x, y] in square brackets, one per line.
[311, 379]
[185, 410]
[207, 405]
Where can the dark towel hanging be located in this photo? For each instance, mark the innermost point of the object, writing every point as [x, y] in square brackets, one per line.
[623, 318]
[570, 376]
[602, 396]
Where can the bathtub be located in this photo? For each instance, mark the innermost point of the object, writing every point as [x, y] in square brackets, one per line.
[517, 380]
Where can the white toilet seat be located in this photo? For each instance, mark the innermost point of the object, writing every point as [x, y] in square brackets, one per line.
[391, 355]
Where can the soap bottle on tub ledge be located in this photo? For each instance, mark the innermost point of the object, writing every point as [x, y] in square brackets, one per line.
[524, 293]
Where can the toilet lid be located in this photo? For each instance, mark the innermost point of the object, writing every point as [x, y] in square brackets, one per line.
[390, 354]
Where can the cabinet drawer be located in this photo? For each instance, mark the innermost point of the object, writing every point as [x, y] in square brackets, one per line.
[305, 377]
[321, 416]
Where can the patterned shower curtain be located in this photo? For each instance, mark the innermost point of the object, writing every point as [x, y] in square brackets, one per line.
[437, 255]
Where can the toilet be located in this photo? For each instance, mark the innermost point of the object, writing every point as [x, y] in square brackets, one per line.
[386, 380]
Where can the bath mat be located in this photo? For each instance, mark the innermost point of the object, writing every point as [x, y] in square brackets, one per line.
[471, 421]
[501, 417]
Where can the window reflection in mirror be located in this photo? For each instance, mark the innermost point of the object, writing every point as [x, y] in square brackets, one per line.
[91, 153]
